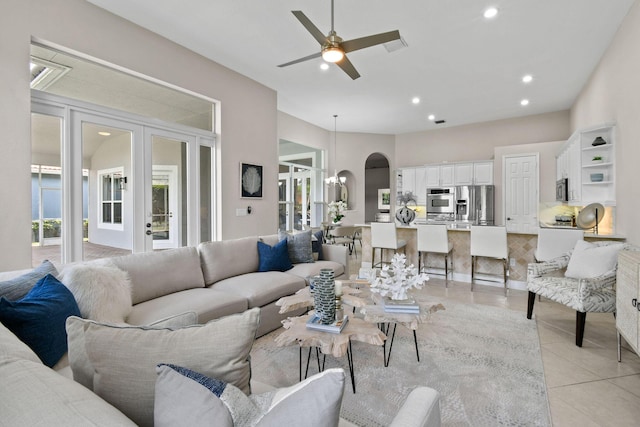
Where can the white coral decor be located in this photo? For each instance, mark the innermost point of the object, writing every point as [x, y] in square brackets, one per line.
[396, 280]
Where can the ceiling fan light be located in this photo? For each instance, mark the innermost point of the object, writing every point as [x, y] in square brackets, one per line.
[332, 54]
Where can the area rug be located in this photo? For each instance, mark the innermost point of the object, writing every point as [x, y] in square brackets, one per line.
[484, 361]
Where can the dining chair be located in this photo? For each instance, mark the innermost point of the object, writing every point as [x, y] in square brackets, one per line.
[344, 235]
[433, 238]
[384, 236]
[489, 242]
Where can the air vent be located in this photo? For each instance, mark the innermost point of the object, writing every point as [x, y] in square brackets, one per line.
[398, 44]
[439, 122]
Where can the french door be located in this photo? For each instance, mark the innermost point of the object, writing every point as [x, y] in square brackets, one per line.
[125, 185]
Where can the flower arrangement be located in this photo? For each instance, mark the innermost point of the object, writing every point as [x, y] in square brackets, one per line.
[396, 280]
[336, 209]
[406, 197]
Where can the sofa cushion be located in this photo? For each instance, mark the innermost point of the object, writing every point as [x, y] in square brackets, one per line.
[307, 270]
[103, 292]
[12, 348]
[82, 370]
[33, 395]
[259, 289]
[589, 260]
[228, 258]
[274, 258]
[124, 358]
[17, 287]
[298, 245]
[38, 319]
[185, 397]
[154, 274]
[208, 304]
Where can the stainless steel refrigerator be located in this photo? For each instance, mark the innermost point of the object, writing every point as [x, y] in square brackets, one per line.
[475, 204]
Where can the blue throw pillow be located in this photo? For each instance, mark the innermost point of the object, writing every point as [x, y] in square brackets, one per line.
[39, 318]
[316, 245]
[274, 258]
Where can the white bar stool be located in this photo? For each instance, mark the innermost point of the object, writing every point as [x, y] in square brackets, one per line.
[433, 238]
[553, 242]
[383, 236]
[489, 242]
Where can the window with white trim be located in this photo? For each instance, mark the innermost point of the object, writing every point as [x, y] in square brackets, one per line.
[111, 184]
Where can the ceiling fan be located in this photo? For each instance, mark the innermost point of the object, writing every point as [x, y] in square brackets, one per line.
[334, 49]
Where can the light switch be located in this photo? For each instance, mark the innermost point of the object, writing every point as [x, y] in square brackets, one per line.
[241, 211]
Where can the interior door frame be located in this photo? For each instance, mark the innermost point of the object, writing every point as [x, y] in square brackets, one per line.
[536, 155]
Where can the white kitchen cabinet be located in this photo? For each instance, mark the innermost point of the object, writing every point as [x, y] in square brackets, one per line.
[483, 173]
[627, 296]
[408, 180]
[464, 173]
[447, 175]
[574, 186]
[421, 185]
[439, 175]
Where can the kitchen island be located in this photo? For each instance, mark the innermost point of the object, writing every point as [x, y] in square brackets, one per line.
[522, 247]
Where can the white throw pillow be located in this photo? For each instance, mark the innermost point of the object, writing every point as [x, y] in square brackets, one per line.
[588, 260]
[185, 397]
[102, 291]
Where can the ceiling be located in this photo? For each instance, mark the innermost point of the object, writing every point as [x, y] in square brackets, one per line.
[463, 67]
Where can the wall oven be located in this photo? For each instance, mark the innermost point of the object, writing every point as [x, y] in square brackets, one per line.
[440, 200]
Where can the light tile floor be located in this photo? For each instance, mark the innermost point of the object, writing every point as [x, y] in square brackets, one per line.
[586, 386]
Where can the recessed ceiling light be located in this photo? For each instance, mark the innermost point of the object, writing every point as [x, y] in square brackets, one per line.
[103, 133]
[527, 78]
[324, 66]
[490, 13]
[415, 100]
[524, 102]
[431, 117]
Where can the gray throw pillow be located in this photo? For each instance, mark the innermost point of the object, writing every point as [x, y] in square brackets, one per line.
[124, 358]
[299, 246]
[16, 288]
[185, 397]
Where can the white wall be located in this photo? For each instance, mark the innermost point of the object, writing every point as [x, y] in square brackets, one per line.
[477, 141]
[249, 112]
[613, 95]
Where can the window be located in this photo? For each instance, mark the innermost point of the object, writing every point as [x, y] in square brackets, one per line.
[111, 182]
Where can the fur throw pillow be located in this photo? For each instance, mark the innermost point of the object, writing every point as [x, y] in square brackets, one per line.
[102, 291]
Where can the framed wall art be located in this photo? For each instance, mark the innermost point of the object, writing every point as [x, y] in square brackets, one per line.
[384, 199]
[250, 181]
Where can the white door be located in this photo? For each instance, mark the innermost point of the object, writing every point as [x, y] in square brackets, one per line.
[521, 193]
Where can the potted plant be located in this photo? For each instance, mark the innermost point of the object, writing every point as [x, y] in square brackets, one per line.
[335, 211]
[597, 159]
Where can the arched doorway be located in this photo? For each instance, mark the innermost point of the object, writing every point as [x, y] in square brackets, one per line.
[376, 177]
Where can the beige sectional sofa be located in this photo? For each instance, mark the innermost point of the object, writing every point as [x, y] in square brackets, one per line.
[217, 279]
[214, 280]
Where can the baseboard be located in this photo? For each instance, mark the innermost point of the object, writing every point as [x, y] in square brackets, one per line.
[480, 280]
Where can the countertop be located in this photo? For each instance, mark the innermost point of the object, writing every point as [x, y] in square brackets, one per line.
[466, 226]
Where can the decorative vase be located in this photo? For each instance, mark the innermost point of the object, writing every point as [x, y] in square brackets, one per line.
[324, 297]
[405, 215]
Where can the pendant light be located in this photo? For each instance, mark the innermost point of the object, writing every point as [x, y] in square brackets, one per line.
[335, 179]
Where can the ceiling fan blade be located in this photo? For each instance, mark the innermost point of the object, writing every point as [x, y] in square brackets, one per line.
[348, 68]
[306, 58]
[368, 41]
[306, 22]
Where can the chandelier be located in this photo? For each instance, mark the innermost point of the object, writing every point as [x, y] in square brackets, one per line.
[335, 179]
